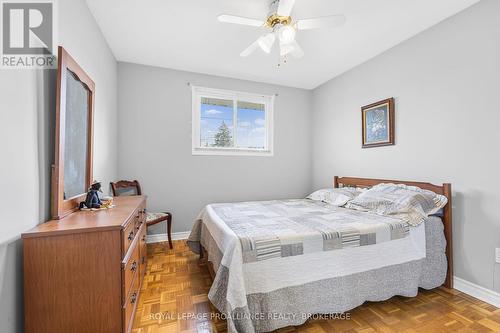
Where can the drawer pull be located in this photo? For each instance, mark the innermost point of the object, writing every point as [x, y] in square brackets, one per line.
[144, 238]
[131, 235]
[133, 267]
[143, 260]
[133, 298]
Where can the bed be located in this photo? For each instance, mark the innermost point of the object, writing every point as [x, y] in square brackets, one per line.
[276, 263]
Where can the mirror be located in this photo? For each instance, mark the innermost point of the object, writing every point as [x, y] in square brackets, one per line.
[75, 138]
[72, 170]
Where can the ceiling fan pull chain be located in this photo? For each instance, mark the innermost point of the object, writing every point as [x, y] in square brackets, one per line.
[282, 61]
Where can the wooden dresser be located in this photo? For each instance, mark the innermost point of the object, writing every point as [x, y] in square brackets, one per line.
[83, 273]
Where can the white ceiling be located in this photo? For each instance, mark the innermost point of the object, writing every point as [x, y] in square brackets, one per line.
[185, 35]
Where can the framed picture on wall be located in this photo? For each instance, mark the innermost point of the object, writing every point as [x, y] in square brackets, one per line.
[378, 124]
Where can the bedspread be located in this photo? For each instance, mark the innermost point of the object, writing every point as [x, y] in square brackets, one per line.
[283, 228]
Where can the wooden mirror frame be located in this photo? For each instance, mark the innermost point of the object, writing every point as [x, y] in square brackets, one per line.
[61, 207]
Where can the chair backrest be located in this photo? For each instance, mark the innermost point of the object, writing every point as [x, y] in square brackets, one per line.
[126, 187]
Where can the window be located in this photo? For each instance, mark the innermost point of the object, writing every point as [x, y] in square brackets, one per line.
[231, 123]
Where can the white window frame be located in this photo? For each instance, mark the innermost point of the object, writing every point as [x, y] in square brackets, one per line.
[268, 100]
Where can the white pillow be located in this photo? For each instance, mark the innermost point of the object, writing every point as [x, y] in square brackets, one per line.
[335, 196]
[411, 202]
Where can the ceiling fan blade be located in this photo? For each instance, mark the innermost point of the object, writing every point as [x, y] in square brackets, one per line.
[240, 20]
[285, 7]
[321, 22]
[250, 49]
[286, 48]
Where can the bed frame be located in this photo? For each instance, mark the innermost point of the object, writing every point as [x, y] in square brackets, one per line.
[444, 189]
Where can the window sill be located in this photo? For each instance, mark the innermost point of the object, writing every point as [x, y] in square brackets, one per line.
[231, 152]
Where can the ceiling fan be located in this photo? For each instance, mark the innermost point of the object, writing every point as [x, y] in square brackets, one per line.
[281, 26]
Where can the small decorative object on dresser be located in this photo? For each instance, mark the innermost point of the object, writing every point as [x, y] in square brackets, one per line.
[92, 200]
[107, 202]
[127, 187]
[378, 124]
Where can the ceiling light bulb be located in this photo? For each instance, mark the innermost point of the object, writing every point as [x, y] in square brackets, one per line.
[286, 48]
[286, 34]
[266, 42]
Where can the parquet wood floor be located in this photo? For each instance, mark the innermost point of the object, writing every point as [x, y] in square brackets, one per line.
[174, 299]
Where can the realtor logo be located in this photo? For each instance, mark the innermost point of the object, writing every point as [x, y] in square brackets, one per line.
[27, 34]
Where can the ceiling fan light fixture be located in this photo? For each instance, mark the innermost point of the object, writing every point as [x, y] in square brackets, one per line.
[286, 48]
[266, 42]
[281, 26]
[286, 34]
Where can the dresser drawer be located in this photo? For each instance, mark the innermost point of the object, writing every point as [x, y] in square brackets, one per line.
[128, 235]
[130, 269]
[130, 305]
[132, 228]
[143, 253]
[140, 218]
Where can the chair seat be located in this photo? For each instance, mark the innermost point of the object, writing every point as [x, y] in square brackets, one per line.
[127, 187]
[150, 217]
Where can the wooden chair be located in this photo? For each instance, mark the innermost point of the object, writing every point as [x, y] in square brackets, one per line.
[125, 187]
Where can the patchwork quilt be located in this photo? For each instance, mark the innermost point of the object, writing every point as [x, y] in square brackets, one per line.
[283, 228]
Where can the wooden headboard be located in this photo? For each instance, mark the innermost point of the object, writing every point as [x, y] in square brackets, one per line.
[444, 189]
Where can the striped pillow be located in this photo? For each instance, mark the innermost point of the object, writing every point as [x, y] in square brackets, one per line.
[413, 203]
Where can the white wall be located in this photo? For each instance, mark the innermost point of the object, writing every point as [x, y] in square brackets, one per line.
[27, 108]
[155, 145]
[19, 196]
[446, 82]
